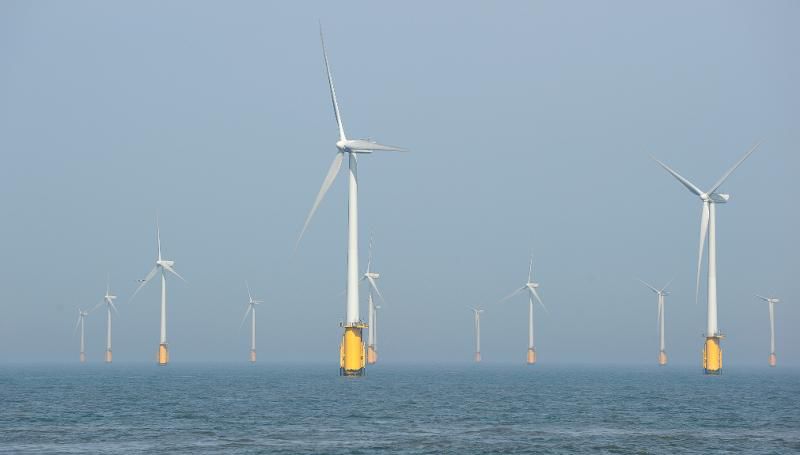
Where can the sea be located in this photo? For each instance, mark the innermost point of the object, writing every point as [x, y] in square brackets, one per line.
[405, 409]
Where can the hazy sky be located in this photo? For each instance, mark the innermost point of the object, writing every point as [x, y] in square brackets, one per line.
[531, 126]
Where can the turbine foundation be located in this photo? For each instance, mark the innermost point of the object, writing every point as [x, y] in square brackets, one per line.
[773, 361]
[712, 355]
[83, 357]
[252, 356]
[662, 358]
[352, 353]
[477, 357]
[163, 354]
[108, 355]
[372, 354]
[531, 356]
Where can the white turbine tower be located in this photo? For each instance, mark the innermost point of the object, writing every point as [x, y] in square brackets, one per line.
[163, 266]
[712, 352]
[773, 360]
[661, 293]
[108, 301]
[372, 313]
[352, 352]
[531, 287]
[81, 317]
[477, 314]
[251, 309]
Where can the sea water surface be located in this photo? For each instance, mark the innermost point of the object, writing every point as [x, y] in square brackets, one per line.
[459, 409]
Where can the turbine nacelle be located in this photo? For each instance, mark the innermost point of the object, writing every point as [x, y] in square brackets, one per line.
[532, 285]
[164, 263]
[719, 198]
[373, 275]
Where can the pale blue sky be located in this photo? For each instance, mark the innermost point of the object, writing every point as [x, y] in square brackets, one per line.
[531, 126]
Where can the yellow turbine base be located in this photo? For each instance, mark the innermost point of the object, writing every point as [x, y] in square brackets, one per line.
[83, 357]
[372, 355]
[531, 356]
[163, 354]
[252, 356]
[712, 356]
[662, 358]
[352, 355]
[773, 360]
[108, 355]
[477, 357]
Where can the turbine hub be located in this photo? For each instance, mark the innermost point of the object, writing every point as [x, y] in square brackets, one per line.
[341, 145]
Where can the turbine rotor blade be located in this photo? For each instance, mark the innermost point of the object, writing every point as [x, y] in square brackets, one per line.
[536, 294]
[369, 146]
[77, 324]
[703, 232]
[249, 296]
[512, 294]
[330, 85]
[326, 184]
[113, 307]
[144, 282]
[689, 185]
[762, 297]
[375, 286]
[172, 271]
[648, 285]
[733, 168]
[246, 312]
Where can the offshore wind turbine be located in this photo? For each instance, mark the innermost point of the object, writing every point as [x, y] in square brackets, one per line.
[251, 310]
[108, 300]
[477, 322]
[661, 293]
[712, 352]
[81, 317]
[773, 360]
[530, 287]
[372, 309]
[352, 354]
[163, 266]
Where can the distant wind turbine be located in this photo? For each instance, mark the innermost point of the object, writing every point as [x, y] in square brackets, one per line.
[477, 314]
[372, 321]
[530, 287]
[81, 317]
[163, 266]
[661, 293]
[712, 352]
[108, 301]
[352, 352]
[773, 359]
[251, 310]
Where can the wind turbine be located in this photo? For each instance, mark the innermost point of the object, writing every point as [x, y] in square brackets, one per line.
[712, 352]
[351, 351]
[477, 313]
[773, 360]
[108, 300]
[372, 320]
[661, 293]
[251, 309]
[163, 266]
[81, 317]
[531, 287]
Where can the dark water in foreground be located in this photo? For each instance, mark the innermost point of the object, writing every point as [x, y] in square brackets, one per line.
[398, 409]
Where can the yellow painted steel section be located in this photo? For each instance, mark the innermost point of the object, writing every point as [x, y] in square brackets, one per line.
[353, 352]
[163, 354]
[662, 358]
[253, 355]
[477, 357]
[83, 358]
[531, 356]
[372, 355]
[773, 360]
[108, 356]
[712, 356]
